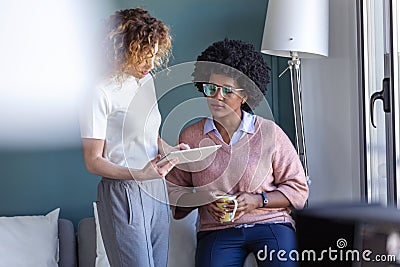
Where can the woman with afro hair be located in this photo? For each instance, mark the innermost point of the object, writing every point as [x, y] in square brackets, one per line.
[257, 164]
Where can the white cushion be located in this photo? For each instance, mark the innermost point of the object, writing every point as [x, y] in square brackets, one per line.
[101, 256]
[29, 241]
[182, 243]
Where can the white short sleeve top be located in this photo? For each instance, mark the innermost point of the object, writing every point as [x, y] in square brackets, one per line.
[126, 116]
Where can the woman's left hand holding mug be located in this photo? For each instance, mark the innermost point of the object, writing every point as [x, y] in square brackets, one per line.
[246, 203]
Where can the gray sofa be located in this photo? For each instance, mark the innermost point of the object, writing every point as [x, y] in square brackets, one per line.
[67, 244]
[87, 242]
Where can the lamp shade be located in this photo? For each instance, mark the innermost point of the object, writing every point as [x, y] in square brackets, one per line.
[300, 26]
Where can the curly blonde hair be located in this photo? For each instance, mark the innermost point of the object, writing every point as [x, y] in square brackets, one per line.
[131, 36]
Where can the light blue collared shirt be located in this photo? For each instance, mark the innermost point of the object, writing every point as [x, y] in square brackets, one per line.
[246, 127]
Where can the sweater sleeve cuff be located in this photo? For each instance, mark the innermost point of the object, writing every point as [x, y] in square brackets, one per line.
[296, 197]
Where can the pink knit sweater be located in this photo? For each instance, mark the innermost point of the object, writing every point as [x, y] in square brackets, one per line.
[263, 161]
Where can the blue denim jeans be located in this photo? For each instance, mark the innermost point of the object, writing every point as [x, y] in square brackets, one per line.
[230, 247]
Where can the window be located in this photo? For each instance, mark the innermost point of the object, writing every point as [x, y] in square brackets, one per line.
[379, 82]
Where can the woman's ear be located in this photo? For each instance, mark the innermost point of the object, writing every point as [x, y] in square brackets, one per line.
[244, 99]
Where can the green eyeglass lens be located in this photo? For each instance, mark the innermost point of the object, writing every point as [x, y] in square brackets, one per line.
[226, 91]
[211, 90]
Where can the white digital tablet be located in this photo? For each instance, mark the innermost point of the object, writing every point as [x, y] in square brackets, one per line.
[190, 155]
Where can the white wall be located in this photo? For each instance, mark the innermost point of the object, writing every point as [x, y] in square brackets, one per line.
[330, 106]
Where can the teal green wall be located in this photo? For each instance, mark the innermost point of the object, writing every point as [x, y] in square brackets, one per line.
[35, 182]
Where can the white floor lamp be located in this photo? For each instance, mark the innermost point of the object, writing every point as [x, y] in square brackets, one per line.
[297, 29]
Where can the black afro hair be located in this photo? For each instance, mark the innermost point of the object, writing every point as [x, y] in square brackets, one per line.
[239, 60]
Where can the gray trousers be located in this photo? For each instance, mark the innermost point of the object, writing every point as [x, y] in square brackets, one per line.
[134, 222]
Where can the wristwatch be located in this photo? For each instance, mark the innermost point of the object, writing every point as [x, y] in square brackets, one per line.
[265, 199]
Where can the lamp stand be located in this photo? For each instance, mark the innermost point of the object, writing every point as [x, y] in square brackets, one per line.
[294, 68]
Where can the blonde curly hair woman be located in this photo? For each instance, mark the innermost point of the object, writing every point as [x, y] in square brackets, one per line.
[131, 197]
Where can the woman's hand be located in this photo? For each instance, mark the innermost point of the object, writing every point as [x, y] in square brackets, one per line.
[164, 148]
[246, 203]
[153, 170]
[215, 211]
[182, 146]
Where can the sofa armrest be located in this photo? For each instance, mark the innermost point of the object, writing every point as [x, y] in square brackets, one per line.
[87, 242]
[67, 244]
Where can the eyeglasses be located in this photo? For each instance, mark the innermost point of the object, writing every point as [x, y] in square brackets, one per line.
[211, 89]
